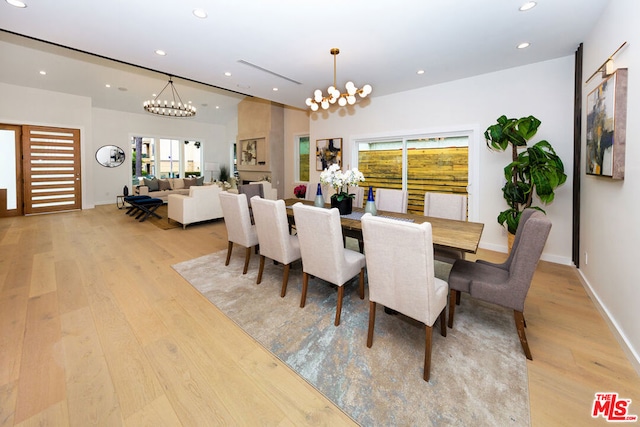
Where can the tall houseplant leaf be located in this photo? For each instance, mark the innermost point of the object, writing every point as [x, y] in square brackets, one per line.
[536, 169]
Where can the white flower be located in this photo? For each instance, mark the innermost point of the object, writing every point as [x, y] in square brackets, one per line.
[339, 180]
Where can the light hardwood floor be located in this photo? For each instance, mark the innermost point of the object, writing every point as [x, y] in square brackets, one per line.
[96, 328]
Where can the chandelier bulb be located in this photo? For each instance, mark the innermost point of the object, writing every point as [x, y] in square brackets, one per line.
[342, 101]
[308, 102]
[314, 107]
[325, 104]
[351, 99]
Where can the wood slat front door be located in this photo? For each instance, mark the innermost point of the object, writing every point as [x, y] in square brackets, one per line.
[51, 167]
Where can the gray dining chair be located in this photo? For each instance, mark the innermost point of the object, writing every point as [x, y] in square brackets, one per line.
[323, 254]
[400, 269]
[275, 242]
[505, 284]
[235, 209]
[391, 200]
[449, 206]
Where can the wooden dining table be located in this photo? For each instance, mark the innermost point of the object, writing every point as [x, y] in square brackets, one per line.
[450, 233]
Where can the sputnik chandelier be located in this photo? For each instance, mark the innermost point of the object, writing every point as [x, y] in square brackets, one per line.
[173, 108]
[333, 94]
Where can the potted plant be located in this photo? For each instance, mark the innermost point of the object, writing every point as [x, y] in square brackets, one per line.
[532, 169]
[340, 181]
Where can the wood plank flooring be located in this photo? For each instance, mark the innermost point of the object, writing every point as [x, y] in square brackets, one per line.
[97, 329]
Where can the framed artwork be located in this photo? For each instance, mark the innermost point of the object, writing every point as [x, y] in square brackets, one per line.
[253, 152]
[328, 152]
[607, 127]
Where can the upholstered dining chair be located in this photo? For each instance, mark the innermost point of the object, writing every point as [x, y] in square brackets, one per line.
[323, 253]
[274, 239]
[449, 206]
[312, 190]
[391, 200]
[251, 190]
[400, 269]
[235, 209]
[505, 284]
[358, 199]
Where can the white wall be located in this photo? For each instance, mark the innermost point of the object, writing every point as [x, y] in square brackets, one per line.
[544, 90]
[117, 128]
[21, 105]
[609, 230]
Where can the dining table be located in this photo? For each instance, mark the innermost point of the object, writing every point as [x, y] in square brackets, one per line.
[449, 233]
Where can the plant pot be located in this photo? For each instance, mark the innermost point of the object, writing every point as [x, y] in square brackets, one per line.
[344, 206]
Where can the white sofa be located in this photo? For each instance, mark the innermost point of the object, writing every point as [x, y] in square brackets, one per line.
[167, 186]
[201, 204]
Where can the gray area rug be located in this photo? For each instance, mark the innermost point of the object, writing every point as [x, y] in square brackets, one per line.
[478, 372]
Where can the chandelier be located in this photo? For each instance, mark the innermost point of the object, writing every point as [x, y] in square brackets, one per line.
[173, 108]
[334, 94]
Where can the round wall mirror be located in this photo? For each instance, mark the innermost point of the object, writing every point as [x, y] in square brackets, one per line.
[110, 156]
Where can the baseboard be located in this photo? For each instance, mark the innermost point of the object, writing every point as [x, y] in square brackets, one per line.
[633, 357]
[556, 259]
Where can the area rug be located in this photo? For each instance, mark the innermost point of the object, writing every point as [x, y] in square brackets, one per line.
[478, 372]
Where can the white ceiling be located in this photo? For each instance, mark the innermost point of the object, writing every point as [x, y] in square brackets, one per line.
[381, 43]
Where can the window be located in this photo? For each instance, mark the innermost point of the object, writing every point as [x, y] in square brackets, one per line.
[165, 158]
[417, 164]
[302, 158]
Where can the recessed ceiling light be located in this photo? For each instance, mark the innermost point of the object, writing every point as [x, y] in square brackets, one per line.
[527, 6]
[228, 74]
[420, 72]
[160, 52]
[17, 3]
[107, 85]
[523, 45]
[217, 107]
[44, 73]
[200, 13]
[275, 89]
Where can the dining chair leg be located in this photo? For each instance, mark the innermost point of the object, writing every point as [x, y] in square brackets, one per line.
[458, 298]
[260, 270]
[443, 326]
[247, 257]
[305, 283]
[339, 308]
[361, 285]
[372, 321]
[453, 294]
[427, 352]
[229, 249]
[285, 280]
[519, 317]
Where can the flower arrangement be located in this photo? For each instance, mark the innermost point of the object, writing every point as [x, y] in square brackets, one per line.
[300, 191]
[340, 180]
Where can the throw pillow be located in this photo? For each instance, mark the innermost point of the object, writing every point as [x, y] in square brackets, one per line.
[200, 180]
[177, 183]
[151, 183]
[188, 182]
[163, 184]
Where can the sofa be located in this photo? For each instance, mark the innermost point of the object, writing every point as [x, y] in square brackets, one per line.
[162, 188]
[201, 204]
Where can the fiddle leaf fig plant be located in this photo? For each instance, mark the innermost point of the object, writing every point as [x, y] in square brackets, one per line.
[533, 169]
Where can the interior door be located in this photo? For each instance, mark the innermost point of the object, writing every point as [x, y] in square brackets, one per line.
[10, 171]
[51, 168]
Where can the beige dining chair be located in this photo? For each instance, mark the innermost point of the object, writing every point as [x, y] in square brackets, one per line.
[391, 200]
[449, 206]
[323, 254]
[274, 239]
[400, 269]
[505, 284]
[235, 209]
[358, 199]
